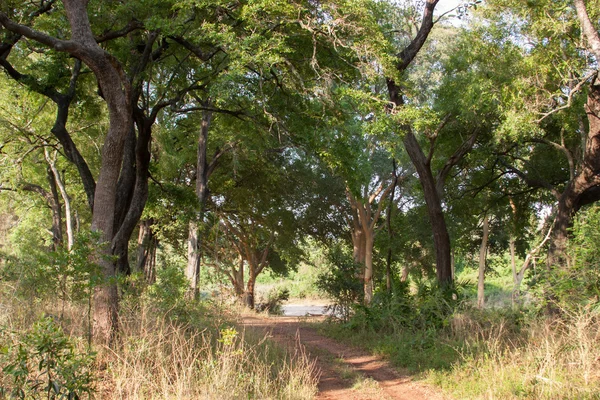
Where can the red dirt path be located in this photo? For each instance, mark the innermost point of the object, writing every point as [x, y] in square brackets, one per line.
[332, 385]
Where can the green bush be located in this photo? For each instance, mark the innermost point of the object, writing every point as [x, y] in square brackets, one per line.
[341, 282]
[168, 293]
[576, 284]
[69, 274]
[430, 307]
[44, 363]
[272, 305]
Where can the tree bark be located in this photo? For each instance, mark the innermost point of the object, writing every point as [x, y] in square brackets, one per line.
[139, 192]
[146, 251]
[194, 236]
[368, 279]
[585, 187]
[441, 238]
[57, 233]
[482, 263]
[66, 200]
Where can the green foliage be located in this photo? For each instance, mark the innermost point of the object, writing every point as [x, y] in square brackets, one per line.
[428, 308]
[272, 303]
[168, 293]
[576, 284]
[341, 282]
[44, 363]
[69, 274]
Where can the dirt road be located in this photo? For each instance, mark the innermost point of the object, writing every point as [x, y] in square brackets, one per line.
[346, 372]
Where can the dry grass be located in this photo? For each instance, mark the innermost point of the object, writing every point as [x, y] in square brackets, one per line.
[550, 359]
[158, 358]
[162, 360]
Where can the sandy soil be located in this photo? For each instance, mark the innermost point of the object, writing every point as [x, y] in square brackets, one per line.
[345, 372]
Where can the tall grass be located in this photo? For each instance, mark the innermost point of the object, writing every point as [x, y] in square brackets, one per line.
[546, 359]
[162, 360]
[188, 354]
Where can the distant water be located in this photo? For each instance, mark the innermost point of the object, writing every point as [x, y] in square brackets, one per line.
[300, 310]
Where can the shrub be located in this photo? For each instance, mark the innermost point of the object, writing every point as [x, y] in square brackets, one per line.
[44, 363]
[275, 297]
[341, 282]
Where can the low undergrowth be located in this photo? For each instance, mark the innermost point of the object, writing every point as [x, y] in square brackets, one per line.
[546, 359]
[190, 351]
[494, 354]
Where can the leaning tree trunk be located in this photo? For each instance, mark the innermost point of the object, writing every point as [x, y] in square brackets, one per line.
[441, 238]
[116, 91]
[585, 187]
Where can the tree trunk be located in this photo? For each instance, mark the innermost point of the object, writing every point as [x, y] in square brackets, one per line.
[248, 297]
[57, 234]
[146, 251]
[65, 196]
[482, 262]
[388, 264]
[368, 277]
[238, 279]
[585, 188]
[192, 271]
[194, 235]
[139, 191]
[441, 238]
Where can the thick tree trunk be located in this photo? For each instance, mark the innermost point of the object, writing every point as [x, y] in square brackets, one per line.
[482, 262]
[139, 191]
[194, 235]
[238, 279]
[248, 296]
[441, 238]
[585, 188]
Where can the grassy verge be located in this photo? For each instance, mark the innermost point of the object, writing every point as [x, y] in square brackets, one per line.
[496, 354]
[195, 352]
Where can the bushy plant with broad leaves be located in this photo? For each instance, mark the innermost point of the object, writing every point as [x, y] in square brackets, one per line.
[429, 307]
[341, 282]
[44, 363]
[577, 284]
[69, 274]
[168, 293]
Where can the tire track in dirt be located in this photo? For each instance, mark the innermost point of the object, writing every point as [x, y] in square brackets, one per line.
[338, 362]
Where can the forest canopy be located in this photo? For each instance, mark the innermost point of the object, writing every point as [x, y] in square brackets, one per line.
[143, 141]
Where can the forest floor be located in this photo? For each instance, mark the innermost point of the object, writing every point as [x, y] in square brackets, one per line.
[345, 372]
